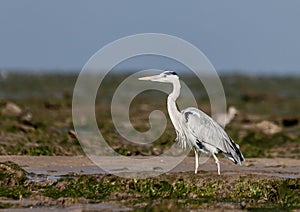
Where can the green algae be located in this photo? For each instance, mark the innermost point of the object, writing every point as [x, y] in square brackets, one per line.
[185, 190]
[260, 193]
[256, 144]
[89, 187]
[12, 181]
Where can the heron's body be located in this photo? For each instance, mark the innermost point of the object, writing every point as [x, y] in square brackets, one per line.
[195, 129]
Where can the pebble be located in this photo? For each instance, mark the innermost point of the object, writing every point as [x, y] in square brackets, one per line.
[11, 109]
[268, 127]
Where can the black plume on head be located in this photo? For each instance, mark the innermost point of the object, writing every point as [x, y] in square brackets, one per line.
[170, 73]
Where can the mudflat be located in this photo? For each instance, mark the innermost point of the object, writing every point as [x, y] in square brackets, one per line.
[81, 165]
[43, 165]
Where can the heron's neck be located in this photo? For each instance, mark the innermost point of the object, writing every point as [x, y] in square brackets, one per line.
[172, 108]
[176, 90]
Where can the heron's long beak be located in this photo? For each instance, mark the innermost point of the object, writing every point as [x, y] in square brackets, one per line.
[149, 78]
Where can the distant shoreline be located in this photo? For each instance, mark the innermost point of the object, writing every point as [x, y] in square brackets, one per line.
[222, 73]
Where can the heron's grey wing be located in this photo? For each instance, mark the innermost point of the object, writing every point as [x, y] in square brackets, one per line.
[204, 128]
[207, 132]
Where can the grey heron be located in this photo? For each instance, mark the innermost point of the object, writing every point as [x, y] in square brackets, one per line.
[195, 129]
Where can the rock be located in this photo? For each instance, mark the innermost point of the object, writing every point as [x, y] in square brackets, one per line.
[11, 109]
[268, 127]
[243, 204]
[25, 128]
[26, 117]
[12, 175]
[156, 151]
[72, 133]
[42, 200]
[65, 201]
[253, 97]
[290, 122]
[52, 105]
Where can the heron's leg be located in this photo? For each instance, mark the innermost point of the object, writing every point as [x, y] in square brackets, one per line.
[217, 162]
[196, 161]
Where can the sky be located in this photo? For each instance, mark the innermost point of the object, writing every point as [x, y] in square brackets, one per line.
[258, 36]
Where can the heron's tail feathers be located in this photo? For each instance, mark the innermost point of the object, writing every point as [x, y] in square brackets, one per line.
[234, 153]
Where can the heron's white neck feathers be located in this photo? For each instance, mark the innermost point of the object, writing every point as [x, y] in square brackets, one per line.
[171, 103]
[176, 90]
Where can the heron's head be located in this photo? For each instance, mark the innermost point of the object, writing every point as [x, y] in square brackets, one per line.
[166, 76]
